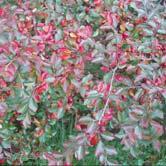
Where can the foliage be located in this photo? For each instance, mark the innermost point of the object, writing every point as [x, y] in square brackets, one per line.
[81, 76]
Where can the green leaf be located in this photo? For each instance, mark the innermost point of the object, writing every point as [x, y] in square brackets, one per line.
[21, 117]
[6, 144]
[157, 114]
[87, 78]
[146, 67]
[93, 94]
[60, 113]
[50, 79]
[148, 32]
[162, 31]
[23, 108]
[81, 107]
[107, 77]
[82, 92]
[96, 33]
[80, 16]
[79, 154]
[125, 45]
[110, 150]
[98, 59]
[99, 149]
[107, 136]
[138, 132]
[136, 35]
[33, 105]
[27, 120]
[85, 120]
[59, 35]
[68, 16]
[42, 139]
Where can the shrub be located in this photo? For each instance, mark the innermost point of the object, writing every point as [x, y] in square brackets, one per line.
[79, 75]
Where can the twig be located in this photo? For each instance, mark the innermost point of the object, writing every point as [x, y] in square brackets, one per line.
[109, 93]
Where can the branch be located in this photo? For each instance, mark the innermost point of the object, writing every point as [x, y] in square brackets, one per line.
[109, 93]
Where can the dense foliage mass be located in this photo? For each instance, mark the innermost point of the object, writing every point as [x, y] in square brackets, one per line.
[78, 76]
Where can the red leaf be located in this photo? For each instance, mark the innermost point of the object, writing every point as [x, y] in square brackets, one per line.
[39, 132]
[41, 88]
[93, 139]
[59, 103]
[85, 32]
[100, 149]
[46, 28]
[63, 23]
[158, 127]
[3, 109]
[125, 36]
[109, 18]
[97, 2]
[65, 57]
[65, 53]
[52, 115]
[105, 69]
[1, 12]
[9, 72]
[2, 161]
[43, 76]
[81, 49]
[107, 116]
[67, 164]
[157, 145]
[41, 46]
[81, 127]
[3, 84]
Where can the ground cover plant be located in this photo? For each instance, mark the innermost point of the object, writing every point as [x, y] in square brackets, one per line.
[82, 82]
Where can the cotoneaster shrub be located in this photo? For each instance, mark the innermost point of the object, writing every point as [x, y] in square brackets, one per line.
[81, 74]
